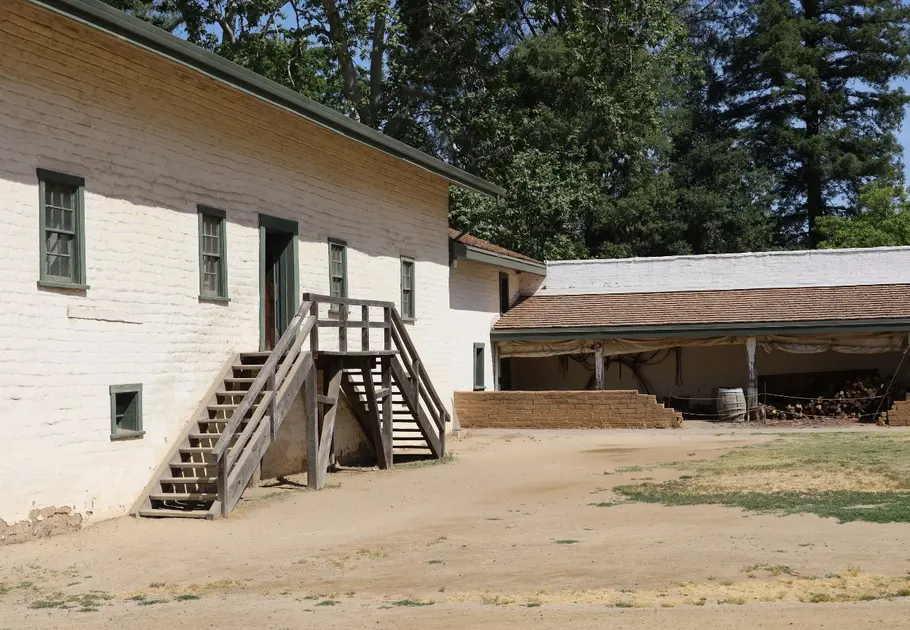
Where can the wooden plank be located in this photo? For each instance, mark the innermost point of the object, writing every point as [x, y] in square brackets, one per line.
[328, 424]
[752, 389]
[343, 329]
[365, 322]
[328, 299]
[292, 355]
[312, 429]
[322, 399]
[398, 326]
[599, 365]
[373, 415]
[314, 334]
[268, 369]
[425, 425]
[246, 466]
[191, 426]
[288, 392]
[384, 392]
[387, 420]
[387, 333]
[351, 323]
[234, 453]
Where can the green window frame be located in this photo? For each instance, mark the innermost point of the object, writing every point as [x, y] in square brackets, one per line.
[479, 384]
[213, 272]
[62, 230]
[338, 268]
[126, 411]
[408, 286]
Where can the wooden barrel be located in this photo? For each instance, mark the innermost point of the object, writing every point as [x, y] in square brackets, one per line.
[731, 404]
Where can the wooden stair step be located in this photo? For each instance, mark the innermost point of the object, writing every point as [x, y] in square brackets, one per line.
[191, 480]
[183, 496]
[190, 450]
[165, 513]
[193, 465]
[239, 380]
[204, 436]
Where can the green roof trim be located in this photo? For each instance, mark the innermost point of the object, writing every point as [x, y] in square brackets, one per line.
[746, 329]
[114, 22]
[469, 252]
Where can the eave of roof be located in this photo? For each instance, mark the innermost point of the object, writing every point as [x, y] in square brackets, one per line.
[119, 24]
[469, 252]
[748, 329]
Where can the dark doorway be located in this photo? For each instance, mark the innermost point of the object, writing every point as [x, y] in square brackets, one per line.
[278, 275]
[505, 374]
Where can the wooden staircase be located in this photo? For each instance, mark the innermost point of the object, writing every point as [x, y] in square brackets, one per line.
[389, 391]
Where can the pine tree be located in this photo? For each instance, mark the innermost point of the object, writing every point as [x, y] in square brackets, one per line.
[809, 83]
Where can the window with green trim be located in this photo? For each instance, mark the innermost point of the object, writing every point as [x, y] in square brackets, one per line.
[62, 229]
[338, 268]
[478, 367]
[126, 411]
[408, 309]
[212, 254]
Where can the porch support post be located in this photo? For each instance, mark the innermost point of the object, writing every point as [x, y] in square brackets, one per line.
[599, 365]
[752, 389]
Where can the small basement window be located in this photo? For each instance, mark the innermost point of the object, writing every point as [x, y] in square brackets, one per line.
[126, 411]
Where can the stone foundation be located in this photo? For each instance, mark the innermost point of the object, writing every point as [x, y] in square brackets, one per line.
[41, 523]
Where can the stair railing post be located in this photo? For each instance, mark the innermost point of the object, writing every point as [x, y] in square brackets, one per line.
[387, 419]
[343, 328]
[222, 484]
[314, 331]
[365, 332]
[387, 336]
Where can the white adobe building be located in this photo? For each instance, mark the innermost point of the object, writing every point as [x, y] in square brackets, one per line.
[164, 212]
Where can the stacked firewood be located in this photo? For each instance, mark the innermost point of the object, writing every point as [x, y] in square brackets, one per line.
[859, 399]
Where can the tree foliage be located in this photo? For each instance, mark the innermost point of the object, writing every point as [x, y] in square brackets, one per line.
[618, 127]
[882, 219]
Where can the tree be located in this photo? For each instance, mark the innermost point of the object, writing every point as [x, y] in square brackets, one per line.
[882, 220]
[809, 85]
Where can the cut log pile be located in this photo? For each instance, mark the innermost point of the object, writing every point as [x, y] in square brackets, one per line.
[858, 399]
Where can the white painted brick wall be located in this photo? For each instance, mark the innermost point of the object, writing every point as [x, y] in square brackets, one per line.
[474, 299]
[730, 271]
[152, 140]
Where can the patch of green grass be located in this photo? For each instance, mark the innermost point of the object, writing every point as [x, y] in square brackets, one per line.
[700, 602]
[567, 541]
[844, 505]
[738, 601]
[152, 602]
[904, 592]
[819, 598]
[412, 603]
[435, 561]
[186, 597]
[533, 604]
[630, 469]
[624, 605]
[136, 598]
[157, 585]
[39, 604]
[26, 584]
[808, 456]
[773, 569]
[87, 609]
[604, 504]
[328, 602]
[493, 518]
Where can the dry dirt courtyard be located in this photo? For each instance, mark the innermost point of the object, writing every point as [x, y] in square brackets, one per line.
[521, 529]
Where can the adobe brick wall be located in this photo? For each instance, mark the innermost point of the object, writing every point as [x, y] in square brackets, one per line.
[563, 410]
[899, 415]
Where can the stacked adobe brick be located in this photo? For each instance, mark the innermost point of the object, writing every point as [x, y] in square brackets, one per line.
[563, 410]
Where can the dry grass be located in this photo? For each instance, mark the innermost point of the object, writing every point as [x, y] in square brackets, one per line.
[848, 476]
[850, 585]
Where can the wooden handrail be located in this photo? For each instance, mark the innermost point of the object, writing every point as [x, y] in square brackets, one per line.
[329, 299]
[265, 373]
[422, 376]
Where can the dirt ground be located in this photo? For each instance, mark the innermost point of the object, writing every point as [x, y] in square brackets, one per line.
[508, 535]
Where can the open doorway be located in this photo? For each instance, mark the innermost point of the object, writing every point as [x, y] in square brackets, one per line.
[279, 283]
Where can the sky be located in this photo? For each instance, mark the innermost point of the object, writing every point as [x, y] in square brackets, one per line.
[904, 136]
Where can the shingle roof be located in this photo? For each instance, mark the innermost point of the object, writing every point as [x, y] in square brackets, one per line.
[797, 304]
[479, 243]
